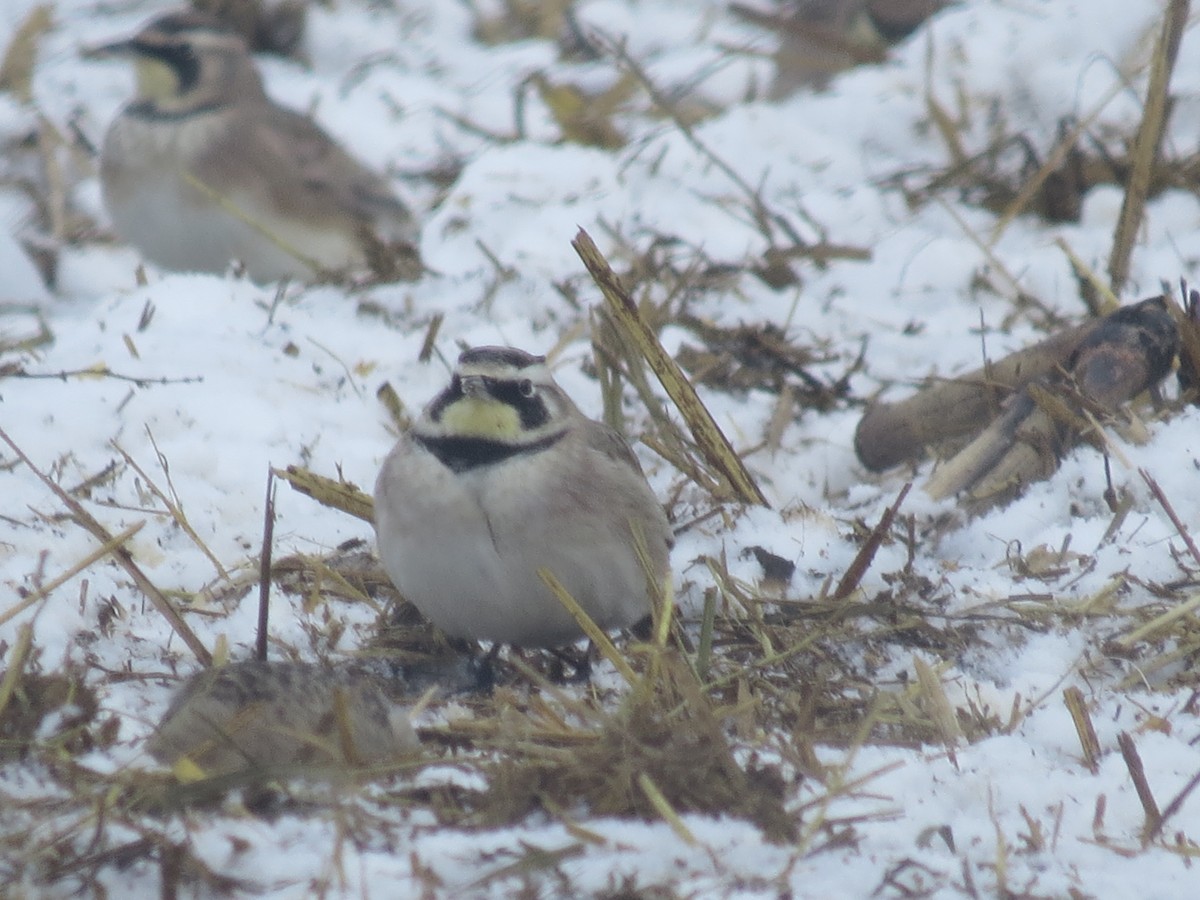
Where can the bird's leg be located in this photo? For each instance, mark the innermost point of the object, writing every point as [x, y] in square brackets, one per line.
[484, 668]
[579, 661]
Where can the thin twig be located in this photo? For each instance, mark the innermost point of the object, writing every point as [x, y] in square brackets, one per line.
[1170, 511]
[174, 507]
[762, 215]
[264, 571]
[1053, 161]
[1018, 295]
[46, 589]
[99, 371]
[1174, 806]
[122, 556]
[345, 368]
[867, 552]
[1137, 773]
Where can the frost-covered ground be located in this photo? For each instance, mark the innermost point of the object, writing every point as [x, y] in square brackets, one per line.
[226, 379]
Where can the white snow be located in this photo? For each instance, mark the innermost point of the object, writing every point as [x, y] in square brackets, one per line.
[224, 382]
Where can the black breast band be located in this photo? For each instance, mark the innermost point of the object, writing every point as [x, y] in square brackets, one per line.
[461, 454]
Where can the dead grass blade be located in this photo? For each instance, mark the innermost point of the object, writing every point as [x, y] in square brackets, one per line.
[45, 590]
[713, 444]
[947, 129]
[430, 341]
[264, 571]
[174, 507]
[1014, 293]
[763, 216]
[16, 69]
[1095, 292]
[1054, 160]
[1073, 697]
[1146, 144]
[1159, 623]
[533, 859]
[227, 205]
[10, 343]
[937, 705]
[590, 628]
[837, 786]
[386, 394]
[664, 808]
[122, 555]
[662, 595]
[341, 495]
[16, 657]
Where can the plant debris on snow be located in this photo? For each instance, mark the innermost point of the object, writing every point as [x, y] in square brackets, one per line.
[873, 325]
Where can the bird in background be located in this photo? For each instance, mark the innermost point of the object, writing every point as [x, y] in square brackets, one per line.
[202, 168]
[820, 38]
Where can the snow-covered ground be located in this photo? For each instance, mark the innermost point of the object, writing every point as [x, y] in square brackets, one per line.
[225, 380]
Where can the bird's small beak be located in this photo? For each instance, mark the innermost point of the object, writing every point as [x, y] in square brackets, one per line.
[111, 50]
[474, 386]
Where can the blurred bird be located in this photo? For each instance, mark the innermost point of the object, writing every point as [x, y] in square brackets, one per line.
[202, 168]
[501, 476]
[261, 714]
[268, 26]
[819, 38]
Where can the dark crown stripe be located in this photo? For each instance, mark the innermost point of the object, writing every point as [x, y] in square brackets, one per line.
[188, 22]
[508, 356]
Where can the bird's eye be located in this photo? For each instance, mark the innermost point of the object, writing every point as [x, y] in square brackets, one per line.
[526, 388]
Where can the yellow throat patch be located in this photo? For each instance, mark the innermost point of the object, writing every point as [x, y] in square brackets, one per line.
[482, 418]
[155, 80]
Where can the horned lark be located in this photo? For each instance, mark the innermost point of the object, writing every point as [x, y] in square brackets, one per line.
[820, 38]
[253, 714]
[502, 476]
[202, 168]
